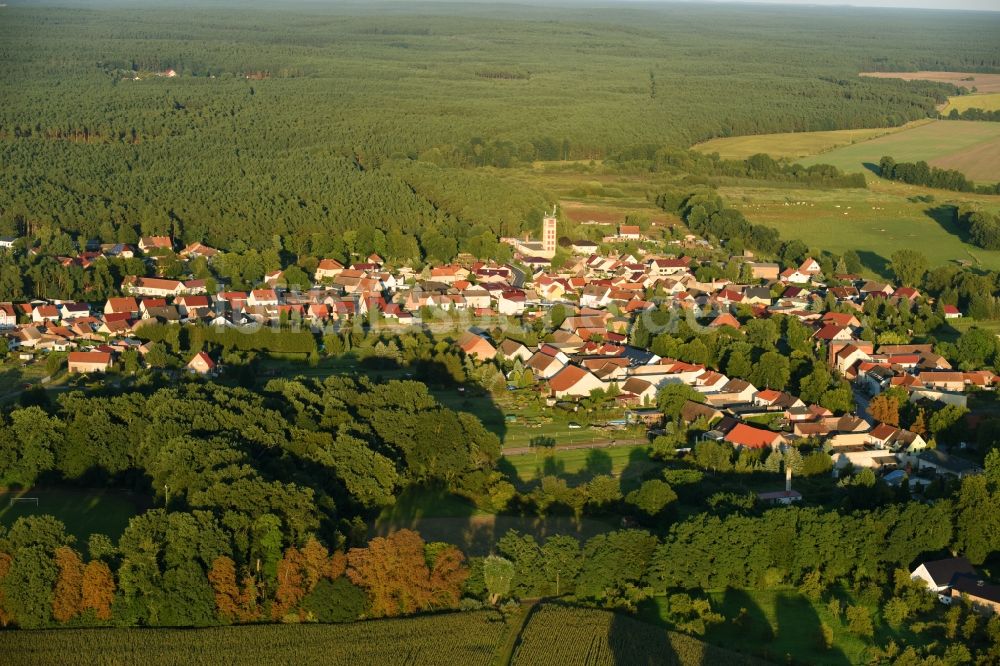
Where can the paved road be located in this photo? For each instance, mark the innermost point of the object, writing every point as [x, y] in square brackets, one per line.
[596, 444]
[518, 276]
[861, 401]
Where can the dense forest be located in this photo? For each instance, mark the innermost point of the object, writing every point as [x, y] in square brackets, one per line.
[320, 119]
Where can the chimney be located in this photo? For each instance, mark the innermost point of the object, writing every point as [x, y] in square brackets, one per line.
[788, 478]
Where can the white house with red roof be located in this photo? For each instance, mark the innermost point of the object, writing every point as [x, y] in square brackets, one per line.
[8, 315]
[45, 312]
[201, 364]
[810, 267]
[147, 243]
[89, 361]
[262, 297]
[327, 269]
[574, 381]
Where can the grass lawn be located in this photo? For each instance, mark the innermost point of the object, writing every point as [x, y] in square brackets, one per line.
[953, 328]
[82, 511]
[777, 623]
[579, 465]
[986, 102]
[441, 516]
[875, 222]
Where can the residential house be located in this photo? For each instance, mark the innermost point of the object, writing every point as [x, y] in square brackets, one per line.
[764, 271]
[201, 364]
[74, 310]
[511, 302]
[328, 269]
[939, 574]
[743, 435]
[89, 361]
[734, 392]
[195, 250]
[44, 313]
[982, 595]
[122, 305]
[629, 232]
[147, 243]
[150, 286]
[8, 315]
[691, 411]
[476, 345]
[944, 464]
[262, 297]
[584, 247]
[511, 349]
[573, 381]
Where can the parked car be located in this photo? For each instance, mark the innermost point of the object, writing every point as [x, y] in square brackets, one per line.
[573, 425]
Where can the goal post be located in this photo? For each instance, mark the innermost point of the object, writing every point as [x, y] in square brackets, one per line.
[26, 500]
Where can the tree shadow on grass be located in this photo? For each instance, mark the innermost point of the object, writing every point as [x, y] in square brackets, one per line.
[947, 217]
[871, 166]
[797, 620]
[875, 262]
[793, 634]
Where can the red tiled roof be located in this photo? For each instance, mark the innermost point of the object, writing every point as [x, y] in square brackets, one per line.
[750, 437]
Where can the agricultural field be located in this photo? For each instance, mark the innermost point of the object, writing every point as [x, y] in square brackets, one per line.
[983, 83]
[453, 638]
[794, 145]
[565, 635]
[82, 511]
[986, 102]
[969, 146]
[874, 222]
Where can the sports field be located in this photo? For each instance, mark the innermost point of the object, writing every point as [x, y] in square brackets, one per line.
[971, 147]
[987, 102]
[794, 145]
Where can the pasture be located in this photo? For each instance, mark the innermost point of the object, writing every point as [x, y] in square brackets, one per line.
[986, 102]
[874, 222]
[84, 512]
[971, 147]
[794, 145]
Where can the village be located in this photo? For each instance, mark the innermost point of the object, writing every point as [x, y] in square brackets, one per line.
[603, 300]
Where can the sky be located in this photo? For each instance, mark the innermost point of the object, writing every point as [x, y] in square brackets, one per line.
[991, 5]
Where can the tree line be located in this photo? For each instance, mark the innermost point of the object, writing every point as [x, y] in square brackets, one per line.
[920, 173]
[198, 567]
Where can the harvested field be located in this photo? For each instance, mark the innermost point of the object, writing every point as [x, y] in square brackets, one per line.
[982, 82]
[794, 145]
[987, 102]
[957, 144]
